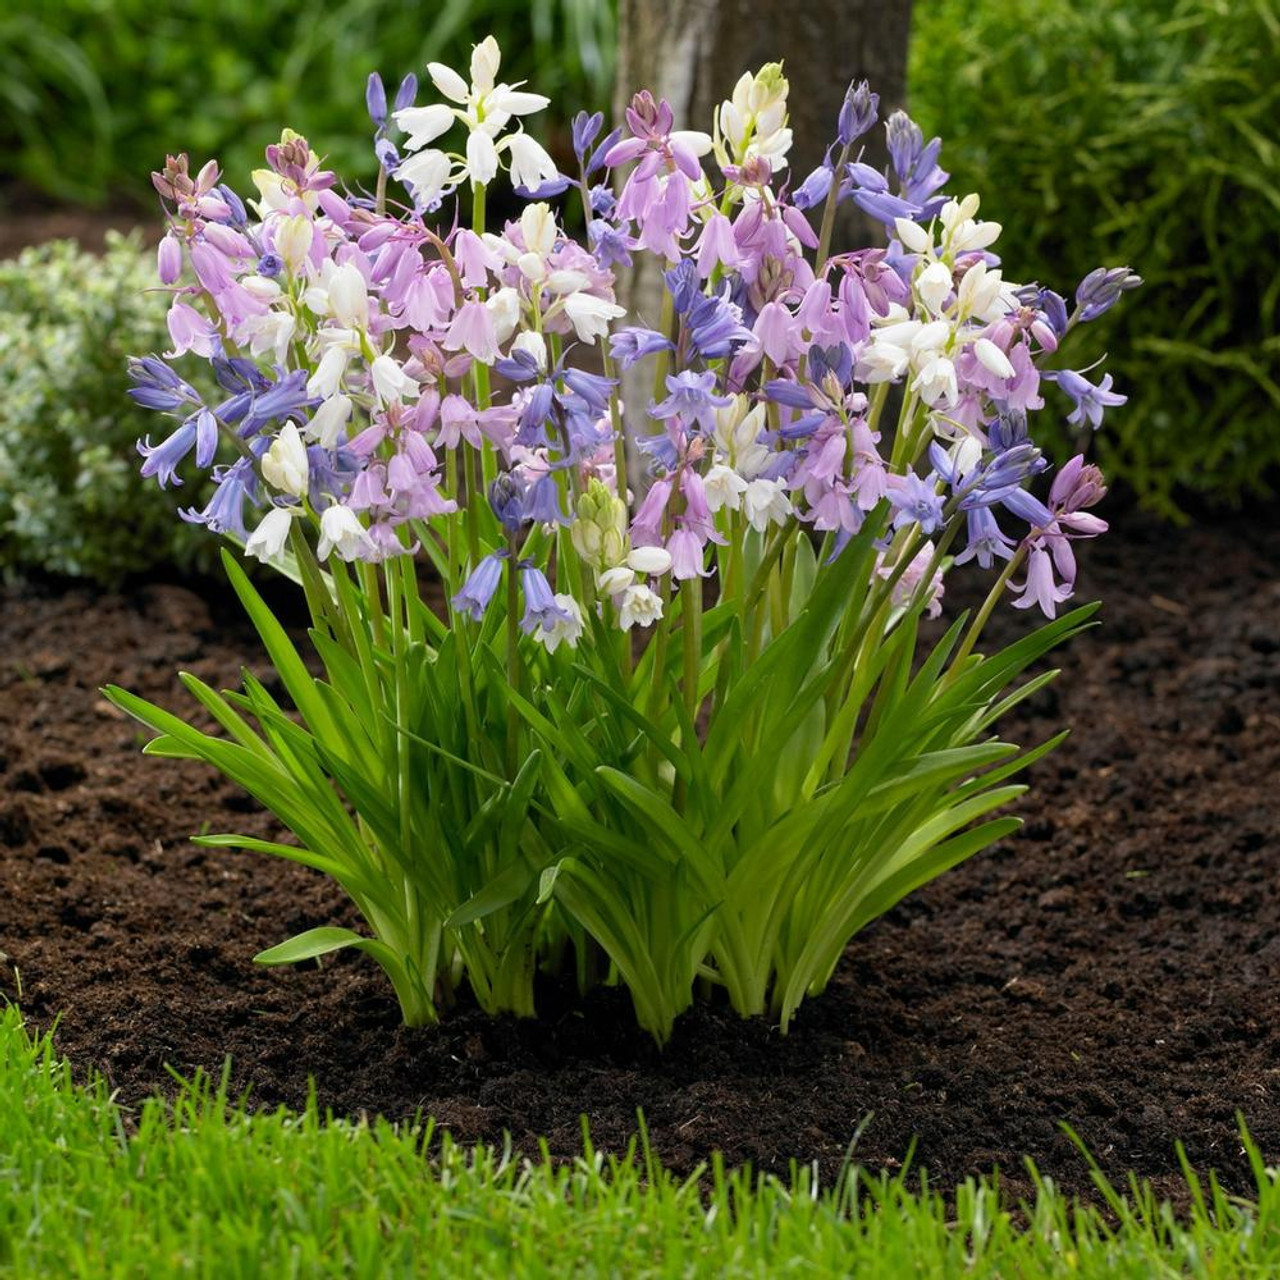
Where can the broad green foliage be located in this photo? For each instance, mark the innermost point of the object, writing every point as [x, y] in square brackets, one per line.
[71, 499]
[92, 94]
[202, 1188]
[1144, 132]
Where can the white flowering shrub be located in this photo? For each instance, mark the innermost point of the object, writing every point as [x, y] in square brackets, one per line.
[71, 499]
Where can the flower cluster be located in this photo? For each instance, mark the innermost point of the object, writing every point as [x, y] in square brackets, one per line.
[668, 710]
[355, 344]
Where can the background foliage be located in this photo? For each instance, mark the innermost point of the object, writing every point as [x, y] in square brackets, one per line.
[1144, 132]
[71, 499]
[93, 92]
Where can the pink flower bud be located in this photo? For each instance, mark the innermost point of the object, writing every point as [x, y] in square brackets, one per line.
[232, 243]
[207, 178]
[213, 209]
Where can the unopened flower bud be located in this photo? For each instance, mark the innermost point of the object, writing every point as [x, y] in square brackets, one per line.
[284, 465]
[649, 561]
[207, 178]
[644, 109]
[407, 92]
[1100, 290]
[507, 500]
[375, 99]
[857, 112]
[599, 533]
[486, 57]
[293, 236]
[169, 259]
[614, 581]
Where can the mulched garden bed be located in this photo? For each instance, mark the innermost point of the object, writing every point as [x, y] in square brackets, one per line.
[1116, 965]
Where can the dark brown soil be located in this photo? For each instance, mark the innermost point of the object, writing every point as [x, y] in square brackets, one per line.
[1115, 966]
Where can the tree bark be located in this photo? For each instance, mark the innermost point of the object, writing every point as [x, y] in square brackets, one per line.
[691, 52]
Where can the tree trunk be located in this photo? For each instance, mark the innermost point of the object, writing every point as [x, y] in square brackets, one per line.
[691, 52]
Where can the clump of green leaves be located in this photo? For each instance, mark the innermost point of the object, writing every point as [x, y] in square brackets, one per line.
[71, 499]
[625, 846]
[1148, 133]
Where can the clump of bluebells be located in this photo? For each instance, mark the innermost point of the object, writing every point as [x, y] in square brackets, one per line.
[625, 692]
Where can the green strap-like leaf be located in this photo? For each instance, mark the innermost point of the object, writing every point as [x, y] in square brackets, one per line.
[292, 670]
[652, 810]
[309, 945]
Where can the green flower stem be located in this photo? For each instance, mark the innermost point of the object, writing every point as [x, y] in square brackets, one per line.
[480, 372]
[735, 574]
[620, 476]
[666, 327]
[488, 455]
[786, 576]
[903, 443]
[772, 412]
[475, 491]
[463, 638]
[658, 681]
[752, 614]
[661, 641]
[870, 634]
[320, 603]
[829, 212]
[451, 540]
[373, 602]
[876, 407]
[691, 636]
[414, 606]
[513, 657]
[615, 421]
[983, 616]
[403, 745]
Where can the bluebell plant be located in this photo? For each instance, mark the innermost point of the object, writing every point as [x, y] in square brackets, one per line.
[686, 735]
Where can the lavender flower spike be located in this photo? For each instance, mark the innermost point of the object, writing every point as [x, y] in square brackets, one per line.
[478, 589]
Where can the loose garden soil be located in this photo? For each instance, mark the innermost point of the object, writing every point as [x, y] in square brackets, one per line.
[1115, 965]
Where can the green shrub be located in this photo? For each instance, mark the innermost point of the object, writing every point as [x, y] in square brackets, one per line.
[93, 92]
[71, 499]
[1142, 132]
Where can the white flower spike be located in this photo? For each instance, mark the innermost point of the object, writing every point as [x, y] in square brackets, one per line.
[485, 107]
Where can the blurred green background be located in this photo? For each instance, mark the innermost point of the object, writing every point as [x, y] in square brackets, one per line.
[1146, 133]
[1100, 132]
[95, 92]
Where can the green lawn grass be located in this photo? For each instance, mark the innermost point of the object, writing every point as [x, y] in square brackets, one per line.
[200, 1187]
